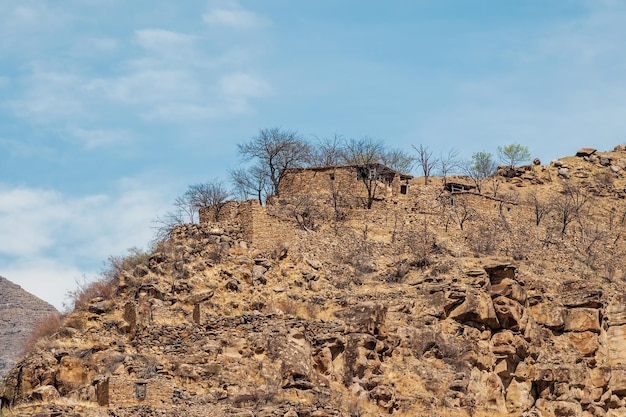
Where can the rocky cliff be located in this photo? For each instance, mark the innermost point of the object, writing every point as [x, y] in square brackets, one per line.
[506, 302]
[19, 311]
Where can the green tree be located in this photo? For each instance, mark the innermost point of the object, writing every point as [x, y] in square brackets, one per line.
[513, 154]
[481, 166]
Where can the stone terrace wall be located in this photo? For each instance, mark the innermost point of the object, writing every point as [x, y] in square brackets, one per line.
[257, 227]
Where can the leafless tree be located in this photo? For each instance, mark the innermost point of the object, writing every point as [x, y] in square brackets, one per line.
[305, 211]
[251, 181]
[164, 225]
[425, 160]
[448, 163]
[366, 154]
[541, 208]
[461, 211]
[373, 162]
[186, 206]
[327, 152]
[209, 194]
[398, 160]
[274, 151]
[569, 205]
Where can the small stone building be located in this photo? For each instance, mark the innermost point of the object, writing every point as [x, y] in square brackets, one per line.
[347, 180]
[124, 391]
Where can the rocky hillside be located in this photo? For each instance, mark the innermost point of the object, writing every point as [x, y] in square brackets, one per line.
[507, 302]
[19, 311]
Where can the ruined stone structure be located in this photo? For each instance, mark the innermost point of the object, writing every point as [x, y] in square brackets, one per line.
[123, 391]
[345, 180]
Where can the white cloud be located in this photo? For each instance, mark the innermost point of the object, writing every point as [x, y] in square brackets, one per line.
[160, 40]
[50, 237]
[96, 138]
[27, 23]
[107, 84]
[46, 278]
[241, 84]
[234, 17]
[50, 96]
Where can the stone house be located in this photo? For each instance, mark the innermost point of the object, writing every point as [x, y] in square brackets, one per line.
[348, 181]
[125, 391]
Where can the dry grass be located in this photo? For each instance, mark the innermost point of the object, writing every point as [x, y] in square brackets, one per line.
[106, 286]
[43, 328]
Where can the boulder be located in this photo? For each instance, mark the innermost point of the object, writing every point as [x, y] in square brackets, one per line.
[477, 307]
[549, 315]
[617, 384]
[586, 343]
[586, 152]
[498, 272]
[582, 319]
[45, 393]
[508, 287]
[509, 313]
[519, 396]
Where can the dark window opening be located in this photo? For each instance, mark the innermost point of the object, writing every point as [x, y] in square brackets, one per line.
[331, 176]
[140, 390]
[404, 189]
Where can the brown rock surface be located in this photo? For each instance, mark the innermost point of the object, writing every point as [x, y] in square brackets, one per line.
[19, 311]
[433, 303]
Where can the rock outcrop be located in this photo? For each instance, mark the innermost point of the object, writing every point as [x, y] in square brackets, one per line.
[436, 303]
[19, 311]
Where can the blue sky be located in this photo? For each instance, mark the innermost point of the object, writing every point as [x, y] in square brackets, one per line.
[110, 108]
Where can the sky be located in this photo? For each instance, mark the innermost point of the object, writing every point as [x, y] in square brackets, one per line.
[109, 109]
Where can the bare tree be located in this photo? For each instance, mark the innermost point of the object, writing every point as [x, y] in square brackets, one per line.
[274, 151]
[568, 206]
[461, 211]
[208, 194]
[164, 225]
[251, 181]
[327, 152]
[446, 164]
[541, 208]
[366, 154]
[398, 160]
[370, 158]
[425, 160]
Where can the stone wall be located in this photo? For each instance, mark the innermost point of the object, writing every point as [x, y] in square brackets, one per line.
[337, 181]
[256, 226]
[122, 391]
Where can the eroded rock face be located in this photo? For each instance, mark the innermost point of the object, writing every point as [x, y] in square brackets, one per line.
[19, 311]
[246, 333]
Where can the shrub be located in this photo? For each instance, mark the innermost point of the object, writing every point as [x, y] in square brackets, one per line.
[86, 291]
[42, 328]
[106, 285]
